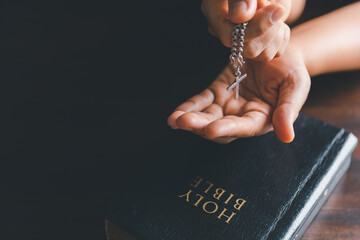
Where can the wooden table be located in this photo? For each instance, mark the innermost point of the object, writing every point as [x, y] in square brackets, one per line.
[335, 99]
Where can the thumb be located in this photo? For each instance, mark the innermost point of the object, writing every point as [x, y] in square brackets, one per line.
[241, 10]
[292, 96]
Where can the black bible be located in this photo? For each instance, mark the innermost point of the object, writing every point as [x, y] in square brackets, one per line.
[254, 188]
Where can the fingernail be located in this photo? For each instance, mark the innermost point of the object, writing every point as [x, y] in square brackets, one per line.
[288, 140]
[237, 8]
[277, 15]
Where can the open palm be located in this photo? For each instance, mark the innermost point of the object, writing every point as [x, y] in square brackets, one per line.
[270, 98]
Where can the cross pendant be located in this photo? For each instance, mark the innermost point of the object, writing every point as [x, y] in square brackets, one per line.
[236, 83]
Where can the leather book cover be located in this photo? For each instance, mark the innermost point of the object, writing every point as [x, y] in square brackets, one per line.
[254, 188]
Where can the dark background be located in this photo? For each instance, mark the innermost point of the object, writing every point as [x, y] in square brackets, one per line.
[85, 90]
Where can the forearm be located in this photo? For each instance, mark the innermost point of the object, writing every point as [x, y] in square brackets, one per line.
[331, 42]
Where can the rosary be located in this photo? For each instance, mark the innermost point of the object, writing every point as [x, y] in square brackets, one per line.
[236, 58]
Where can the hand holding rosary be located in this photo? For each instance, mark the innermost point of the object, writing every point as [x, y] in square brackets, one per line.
[236, 58]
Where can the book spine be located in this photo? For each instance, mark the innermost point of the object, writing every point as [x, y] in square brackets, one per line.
[315, 194]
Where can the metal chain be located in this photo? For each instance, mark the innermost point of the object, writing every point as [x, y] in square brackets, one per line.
[238, 36]
[236, 58]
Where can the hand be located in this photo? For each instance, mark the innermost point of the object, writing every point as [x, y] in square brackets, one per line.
[270, 98]
[266, 35]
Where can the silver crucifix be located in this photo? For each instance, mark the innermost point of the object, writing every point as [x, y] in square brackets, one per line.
[236, 83]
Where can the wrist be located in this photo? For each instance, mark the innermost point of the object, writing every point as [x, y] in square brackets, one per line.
[299, 41]
[296, 50]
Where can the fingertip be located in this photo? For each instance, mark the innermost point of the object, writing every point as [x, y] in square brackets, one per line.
[266, 19]
[212, 131]
[171, 120]
[219, 128]
[185, 120]
[191, 121]
[225, 40]
[242, 11]
[285, 134]
[211, 31]
[283, 125]
[288, 138]
[268, 16]
[277, 14]
[237, 11]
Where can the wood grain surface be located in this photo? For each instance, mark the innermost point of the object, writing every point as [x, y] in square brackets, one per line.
[335, 99]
